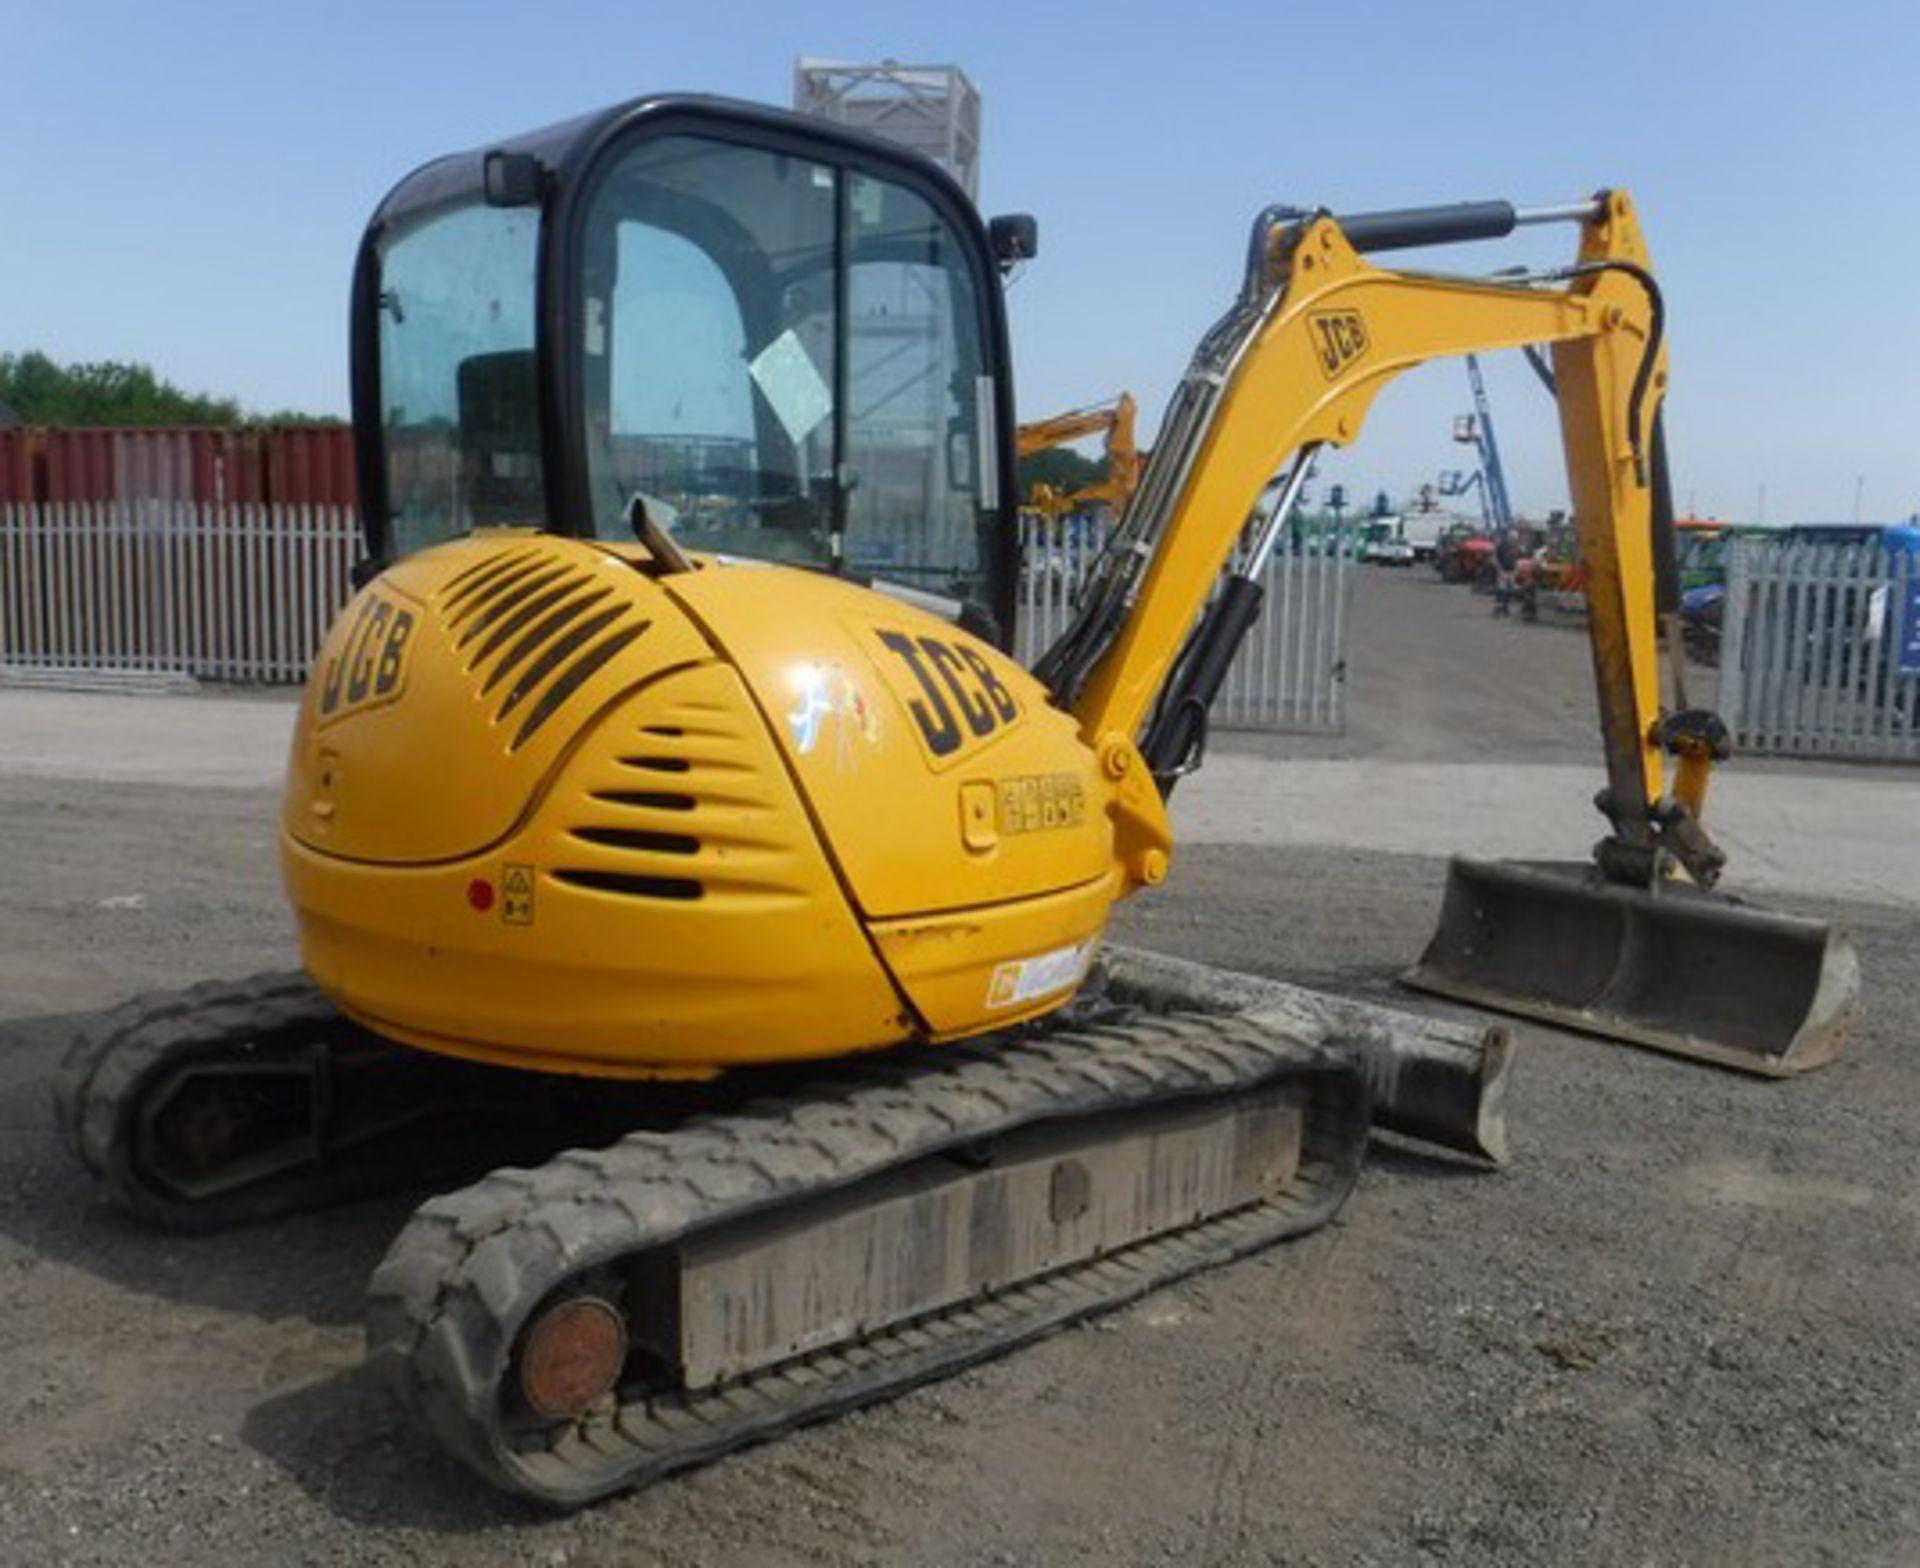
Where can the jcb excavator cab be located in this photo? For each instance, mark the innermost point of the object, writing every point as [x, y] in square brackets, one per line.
[605, 375]
[787, 347]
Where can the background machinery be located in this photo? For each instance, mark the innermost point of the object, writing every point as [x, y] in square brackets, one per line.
[669, 751]
[1476, 430]
[1112, 420]
[1465, 554]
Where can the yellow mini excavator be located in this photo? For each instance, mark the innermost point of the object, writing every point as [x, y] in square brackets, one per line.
[670, 742]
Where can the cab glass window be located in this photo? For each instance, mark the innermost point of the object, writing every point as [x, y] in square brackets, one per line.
[710, 347]
[917, 400]
[783, 361]
[458, 404]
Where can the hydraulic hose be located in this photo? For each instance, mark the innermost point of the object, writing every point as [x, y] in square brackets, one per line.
[1656, 333]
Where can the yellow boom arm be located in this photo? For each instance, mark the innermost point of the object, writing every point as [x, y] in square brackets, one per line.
[1095, 419]
[1318, 333]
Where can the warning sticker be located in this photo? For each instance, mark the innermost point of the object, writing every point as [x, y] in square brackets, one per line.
[516, 895]
[1027, 979]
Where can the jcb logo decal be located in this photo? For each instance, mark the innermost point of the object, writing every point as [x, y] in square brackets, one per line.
[372, 664]
[1339, 337]
[951, 691]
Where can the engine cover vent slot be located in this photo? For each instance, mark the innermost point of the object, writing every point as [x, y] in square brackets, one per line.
[681, 794]
[554, 653]
[476, 576]
[536, 621]
[478, 592]
[644, 840]
[654, 800]
[570, 679]
[629, 885]
[544, 632]
[518, 605]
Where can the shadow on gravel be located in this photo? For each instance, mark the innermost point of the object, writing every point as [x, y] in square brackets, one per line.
[1388, 1152]
[346, 1443]
[311, 1267]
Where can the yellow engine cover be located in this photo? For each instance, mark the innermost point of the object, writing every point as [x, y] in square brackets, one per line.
[547, 809]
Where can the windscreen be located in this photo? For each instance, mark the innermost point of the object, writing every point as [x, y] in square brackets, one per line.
[784, 361]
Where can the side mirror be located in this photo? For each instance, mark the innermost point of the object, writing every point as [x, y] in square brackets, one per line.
[1015, 237]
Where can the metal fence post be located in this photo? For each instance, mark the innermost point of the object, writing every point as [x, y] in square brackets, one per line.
[1804, 669]
[1291, 671]
[1733, 641]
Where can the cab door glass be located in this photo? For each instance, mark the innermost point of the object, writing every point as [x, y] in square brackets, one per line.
[710, 347]
[784, 359]
[681, 416]
[917, 453]
[458, 398]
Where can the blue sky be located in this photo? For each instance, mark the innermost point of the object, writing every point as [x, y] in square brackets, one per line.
[185, 184]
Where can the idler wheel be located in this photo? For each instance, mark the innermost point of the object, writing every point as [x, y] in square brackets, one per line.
[572, 1357]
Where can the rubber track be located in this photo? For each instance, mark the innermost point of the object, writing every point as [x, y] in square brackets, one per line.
[112, 1063]
[469, 1270]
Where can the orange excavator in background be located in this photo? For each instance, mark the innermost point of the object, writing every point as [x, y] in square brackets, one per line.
[1113, 419]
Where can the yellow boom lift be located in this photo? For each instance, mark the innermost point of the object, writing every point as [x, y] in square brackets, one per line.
[671, 743]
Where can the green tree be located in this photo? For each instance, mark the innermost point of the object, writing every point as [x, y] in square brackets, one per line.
[289, 417]
[111, 392]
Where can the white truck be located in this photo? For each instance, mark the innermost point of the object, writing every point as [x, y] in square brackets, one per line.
[1383, 542]
[1422, 530]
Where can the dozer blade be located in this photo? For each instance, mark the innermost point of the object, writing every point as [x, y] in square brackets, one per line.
[1679, 970]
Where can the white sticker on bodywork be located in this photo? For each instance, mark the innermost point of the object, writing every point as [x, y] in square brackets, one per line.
[1028, 979]
[785, 374]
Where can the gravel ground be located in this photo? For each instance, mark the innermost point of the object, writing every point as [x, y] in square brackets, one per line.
[1679, 1329]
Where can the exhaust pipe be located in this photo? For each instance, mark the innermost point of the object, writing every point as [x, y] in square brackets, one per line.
[1676, 969]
